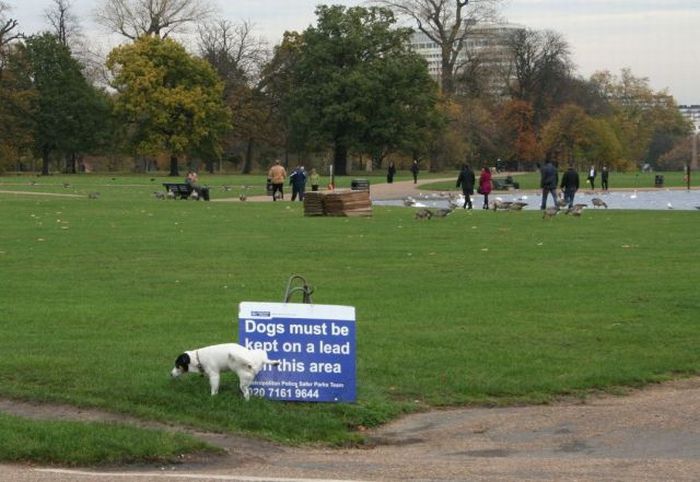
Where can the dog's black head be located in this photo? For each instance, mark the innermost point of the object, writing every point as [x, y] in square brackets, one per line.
[182, 365]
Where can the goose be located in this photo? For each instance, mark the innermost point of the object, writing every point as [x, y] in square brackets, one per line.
[576, 210]
[423, 214]
[441, 213]
[550, 212]
[517, 206]
[597, 202]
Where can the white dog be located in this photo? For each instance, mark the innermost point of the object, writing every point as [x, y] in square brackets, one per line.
[212, 360]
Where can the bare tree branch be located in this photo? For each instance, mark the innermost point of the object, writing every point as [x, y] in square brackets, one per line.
[63, 22]
[162, 18]
[233, 50]
[448, 23]
[7, 26]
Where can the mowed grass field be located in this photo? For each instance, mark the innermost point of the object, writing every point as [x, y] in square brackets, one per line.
[99, 296]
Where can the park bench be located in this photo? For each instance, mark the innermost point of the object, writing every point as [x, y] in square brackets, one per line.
[179, 189]
[505, 184]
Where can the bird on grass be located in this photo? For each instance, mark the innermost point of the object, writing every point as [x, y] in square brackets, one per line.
[93, 195]
[517, 206]
[424, 214]
[550, 212]
[441, 213]
[159, 195]
[597, 202]
[576, 210]
[170, 195]
[503, 205]
[226, 187]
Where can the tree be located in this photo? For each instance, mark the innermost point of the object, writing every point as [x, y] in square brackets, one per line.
[449, 24]
[64, 24]
[8, 26]
[160, 18]
[17, 104]
[69, 112]
[239, 58]
[518, 136]
[356, 84]
[539, 71]
[171, 101]
[648, 123]
[564, 132]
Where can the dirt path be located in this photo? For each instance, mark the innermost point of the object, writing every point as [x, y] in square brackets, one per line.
[650, 434]
[395, 190]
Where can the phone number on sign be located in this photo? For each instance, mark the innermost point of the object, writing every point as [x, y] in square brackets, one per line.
[285, 392]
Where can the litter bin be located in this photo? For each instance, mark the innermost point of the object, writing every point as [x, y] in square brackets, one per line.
[658, 181]
[359, 185]
[268, 187]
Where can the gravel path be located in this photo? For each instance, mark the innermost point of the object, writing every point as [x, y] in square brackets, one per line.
[649, 434]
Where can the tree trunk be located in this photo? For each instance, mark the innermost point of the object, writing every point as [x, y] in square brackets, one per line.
[340, 158]
[210, 166]
[45, 161]
[248, 162]
[174, 172]
[72, 165]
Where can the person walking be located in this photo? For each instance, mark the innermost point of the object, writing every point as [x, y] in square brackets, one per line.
[485, 185]
[277, 175]
[390, 172]
[569, 185]
[466, 181]
[604, 178]
[298, 181]
[591, 176]
[314, 179]
[414, 170]
[548, 182]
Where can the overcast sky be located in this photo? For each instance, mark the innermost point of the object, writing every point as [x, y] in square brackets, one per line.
[658, 39]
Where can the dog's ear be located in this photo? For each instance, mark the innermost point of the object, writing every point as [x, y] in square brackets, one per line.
[183, 362]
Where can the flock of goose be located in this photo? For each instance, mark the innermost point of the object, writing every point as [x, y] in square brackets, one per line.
[457, 200]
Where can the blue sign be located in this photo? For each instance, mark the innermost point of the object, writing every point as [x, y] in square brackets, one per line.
[315, 345]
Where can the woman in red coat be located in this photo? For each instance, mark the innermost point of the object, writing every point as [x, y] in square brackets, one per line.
[485, 185]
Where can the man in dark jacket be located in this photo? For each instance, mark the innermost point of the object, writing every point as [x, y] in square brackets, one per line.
[298, 182]
[570, 184]
[548, 182]
[466, 179]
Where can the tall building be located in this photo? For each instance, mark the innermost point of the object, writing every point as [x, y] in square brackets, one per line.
[487, 41]
[692, 112]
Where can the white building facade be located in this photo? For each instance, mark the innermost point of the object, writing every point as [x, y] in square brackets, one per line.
[692, 112]
[489, 42]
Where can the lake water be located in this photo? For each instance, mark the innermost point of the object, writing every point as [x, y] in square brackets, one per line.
[661, 199]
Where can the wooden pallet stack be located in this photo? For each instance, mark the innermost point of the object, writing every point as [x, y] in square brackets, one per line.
[337, 203]
[313, 203]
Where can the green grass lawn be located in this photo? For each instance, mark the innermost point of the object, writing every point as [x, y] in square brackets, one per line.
[100, 296]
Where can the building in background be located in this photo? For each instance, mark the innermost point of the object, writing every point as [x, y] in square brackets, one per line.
[692, 112]
[486, 44]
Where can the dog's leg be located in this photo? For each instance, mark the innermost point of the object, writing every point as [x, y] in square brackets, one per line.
[214, 382]
[245, 382]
